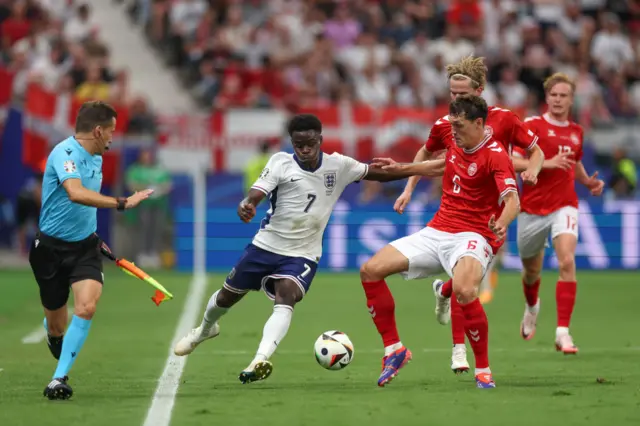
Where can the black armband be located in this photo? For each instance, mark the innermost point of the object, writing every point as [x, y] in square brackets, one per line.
[122, 202]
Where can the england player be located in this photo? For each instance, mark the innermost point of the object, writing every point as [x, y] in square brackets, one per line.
[469, 77]
[65, 254]
[479, 201]
[551, 208]
[282, 259]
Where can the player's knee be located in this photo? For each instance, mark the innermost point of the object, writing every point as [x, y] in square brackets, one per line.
[465, 291]
[566, 263]
[85, 310]
[530, 273]
[371, 271]
[227, 299]
[287, 292]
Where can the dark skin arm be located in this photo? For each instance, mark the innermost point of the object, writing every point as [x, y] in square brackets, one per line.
[247, 207]
[381, 172]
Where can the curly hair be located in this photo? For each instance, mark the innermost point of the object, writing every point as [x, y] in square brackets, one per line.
[558, 78]
[303, 123]
[469, 68]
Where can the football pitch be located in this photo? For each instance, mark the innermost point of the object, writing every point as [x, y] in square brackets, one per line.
[116, 376]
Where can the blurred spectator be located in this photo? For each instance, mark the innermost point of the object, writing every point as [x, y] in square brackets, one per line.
[80, 27]
[56, 43]
[513, 93]
[624, 179]
[149, 221]
[94, 87]
[256, 165]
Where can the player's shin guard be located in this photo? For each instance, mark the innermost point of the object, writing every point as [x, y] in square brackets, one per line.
[565, 301]
[274, 331]
[531, 292]
[382, 308]
[73, 341]
[476, 326]
[457, 322]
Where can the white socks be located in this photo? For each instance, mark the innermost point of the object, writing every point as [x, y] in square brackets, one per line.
[212, 314]
[274, 331]
[388, 350]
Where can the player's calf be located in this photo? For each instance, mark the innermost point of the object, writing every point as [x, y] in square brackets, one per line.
[467, 275]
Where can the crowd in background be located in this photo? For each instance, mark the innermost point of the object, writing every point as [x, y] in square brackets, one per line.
[254, 53]
[57, 43]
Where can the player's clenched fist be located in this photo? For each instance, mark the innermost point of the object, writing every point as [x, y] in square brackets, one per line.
[246, 211]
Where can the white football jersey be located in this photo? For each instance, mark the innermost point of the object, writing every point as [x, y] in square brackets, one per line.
[302, 202]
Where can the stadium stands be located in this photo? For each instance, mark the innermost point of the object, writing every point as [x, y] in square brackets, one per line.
[252, 53]
[59, 48]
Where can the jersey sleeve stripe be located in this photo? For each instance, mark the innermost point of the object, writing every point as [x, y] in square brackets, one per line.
[260, 189]
[366, 171]
[505, 192]
[533, 143]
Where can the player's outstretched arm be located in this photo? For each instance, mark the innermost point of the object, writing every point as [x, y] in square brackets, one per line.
[81, 195]
[386, 169]
[247, 207]
[559, 161]
[412, 182]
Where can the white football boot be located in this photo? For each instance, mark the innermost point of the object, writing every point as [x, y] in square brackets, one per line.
[443, 304]
[564, 343]
[529, 321]
[459, 363]
[188, 343]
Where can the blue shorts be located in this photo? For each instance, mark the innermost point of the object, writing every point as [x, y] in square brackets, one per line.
[258, 269]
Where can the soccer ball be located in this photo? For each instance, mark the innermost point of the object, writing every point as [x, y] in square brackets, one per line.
[334, 350]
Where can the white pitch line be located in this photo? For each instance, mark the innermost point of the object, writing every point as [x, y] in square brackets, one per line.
[164, 398]
[38, 334]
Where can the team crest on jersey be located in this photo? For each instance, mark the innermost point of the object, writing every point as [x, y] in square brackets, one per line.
[575, 139]
[330, 181]
[473, 168]
[488, 130]
[69, 166]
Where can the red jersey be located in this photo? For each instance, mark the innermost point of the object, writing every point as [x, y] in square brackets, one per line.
[502, 124]
[473, 186]
[556, 187]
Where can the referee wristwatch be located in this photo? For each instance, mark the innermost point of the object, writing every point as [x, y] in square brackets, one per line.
[122, 202]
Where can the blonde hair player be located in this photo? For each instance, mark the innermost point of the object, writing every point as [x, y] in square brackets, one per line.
[467, 77]
[551, 209]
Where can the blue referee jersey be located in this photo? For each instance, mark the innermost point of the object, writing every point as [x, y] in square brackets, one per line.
[59, 217]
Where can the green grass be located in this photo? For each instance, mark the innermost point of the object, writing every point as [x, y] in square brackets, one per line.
[115, 377]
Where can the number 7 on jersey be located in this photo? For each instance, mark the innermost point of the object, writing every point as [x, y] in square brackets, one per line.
[311, 198]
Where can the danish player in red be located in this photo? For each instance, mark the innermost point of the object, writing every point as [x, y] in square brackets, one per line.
[469, 77]
[480, 199]
[551, 208]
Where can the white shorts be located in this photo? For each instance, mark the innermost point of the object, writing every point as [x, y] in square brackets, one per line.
[534, 231]
[430, 252]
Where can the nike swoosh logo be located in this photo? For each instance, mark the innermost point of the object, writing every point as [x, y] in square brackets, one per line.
[295, 180]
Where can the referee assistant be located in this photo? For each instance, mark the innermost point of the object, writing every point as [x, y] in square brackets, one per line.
[65, 255]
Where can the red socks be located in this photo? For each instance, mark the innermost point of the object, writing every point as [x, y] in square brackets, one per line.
[382, 309]
[565, 300]
[477, 329]
[447, 288]
[531, 292]
[457, 322]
